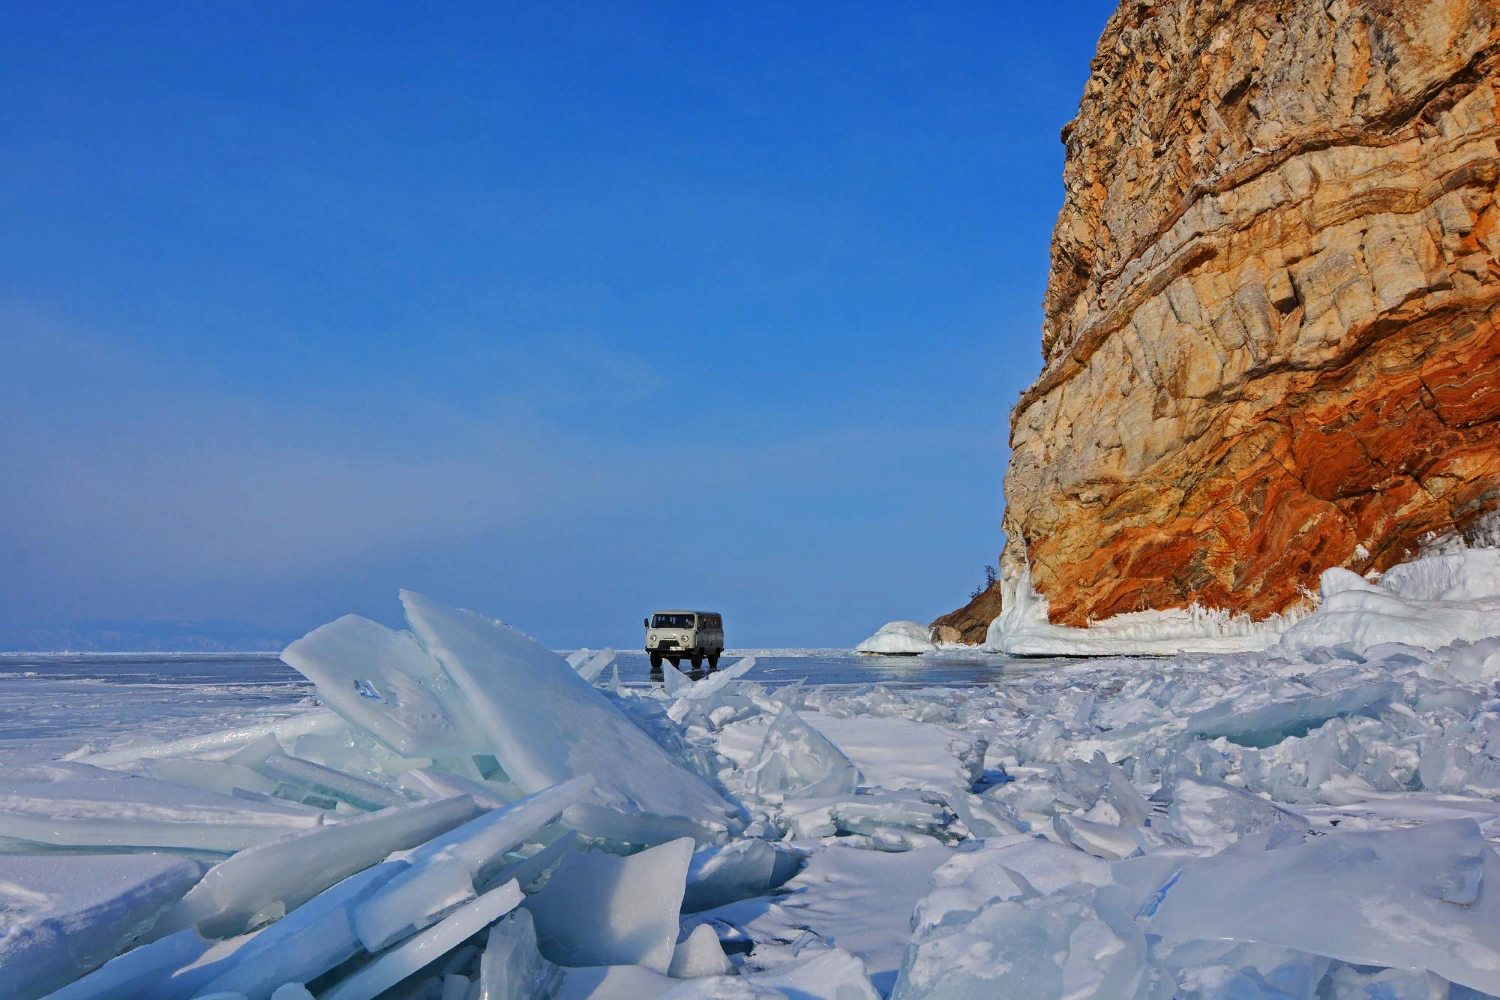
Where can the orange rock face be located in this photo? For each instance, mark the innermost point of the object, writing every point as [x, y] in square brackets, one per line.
[1270, 340]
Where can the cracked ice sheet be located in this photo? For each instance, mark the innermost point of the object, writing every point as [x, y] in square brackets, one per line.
[860, 901]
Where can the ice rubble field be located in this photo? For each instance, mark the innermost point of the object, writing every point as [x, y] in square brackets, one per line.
[468, 814]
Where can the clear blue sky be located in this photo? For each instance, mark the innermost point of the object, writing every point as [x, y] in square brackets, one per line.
[557, 311]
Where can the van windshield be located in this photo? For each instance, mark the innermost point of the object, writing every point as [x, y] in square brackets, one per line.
[671, 621]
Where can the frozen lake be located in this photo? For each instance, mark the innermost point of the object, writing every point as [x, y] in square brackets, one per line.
[52, 704]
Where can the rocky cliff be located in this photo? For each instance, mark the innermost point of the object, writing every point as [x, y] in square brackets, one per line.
[1270, 340]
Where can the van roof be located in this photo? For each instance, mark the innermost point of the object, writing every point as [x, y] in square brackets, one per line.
[682, 611]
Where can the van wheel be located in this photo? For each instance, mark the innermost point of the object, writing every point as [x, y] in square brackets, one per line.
[656, 662]
[697, 659]
[713, 660]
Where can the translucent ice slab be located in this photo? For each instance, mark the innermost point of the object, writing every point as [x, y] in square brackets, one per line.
[225, 740]
[210, 775]
[120, 810]
[304, 944]
[602, 909]
[432, 783]
[1211, 813]
[590, 668]
[512, 968]
[383, 681]
[1421, 898]
[432, 943]
[444, 869]
[291, 870]
[546, 724]
[355, 791]
[797, 761]
[743, 868]
[139, 972]
[1269, 724]
[61, 916]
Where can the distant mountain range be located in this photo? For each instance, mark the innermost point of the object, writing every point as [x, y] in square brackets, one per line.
[144, 636]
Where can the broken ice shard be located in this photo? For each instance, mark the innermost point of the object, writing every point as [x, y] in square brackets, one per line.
[92, 807]
[601, 909]
[797, 761]
[546, 724]
[432, 943]
[61, 916]
[291, 870]
[383, 681]
[444, 870]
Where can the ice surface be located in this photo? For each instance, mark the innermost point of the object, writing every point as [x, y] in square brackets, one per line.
[600, 909]
[739, 870]
[546, 724]
[974, 835]
[698, 955]
[292, 869]
[432, 943]
[108, 809]
[898, 638]
[614, 982]
[1356, 614]
[63, 916]
[444, 870]
[383, 681]
[797, 761]
[512, 968]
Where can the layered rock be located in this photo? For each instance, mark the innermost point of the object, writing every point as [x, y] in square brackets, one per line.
[1270, 336]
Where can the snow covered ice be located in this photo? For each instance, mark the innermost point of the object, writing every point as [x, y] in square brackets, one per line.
[469, 815]
[898, 639]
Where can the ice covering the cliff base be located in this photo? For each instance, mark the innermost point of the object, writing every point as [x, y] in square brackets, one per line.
[1430, 601]
[902, 638]
[1022, 629]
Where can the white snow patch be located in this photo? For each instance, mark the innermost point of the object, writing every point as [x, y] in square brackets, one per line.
[904, 638]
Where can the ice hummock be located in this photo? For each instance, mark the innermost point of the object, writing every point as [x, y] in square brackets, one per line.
[546, 724]
[903, 638]
[1023, 629]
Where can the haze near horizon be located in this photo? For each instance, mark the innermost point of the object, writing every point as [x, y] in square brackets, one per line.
[560, 314]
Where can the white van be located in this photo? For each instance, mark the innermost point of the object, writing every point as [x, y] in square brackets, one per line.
[690, 635]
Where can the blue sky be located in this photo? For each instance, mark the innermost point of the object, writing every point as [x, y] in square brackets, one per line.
[561, 312]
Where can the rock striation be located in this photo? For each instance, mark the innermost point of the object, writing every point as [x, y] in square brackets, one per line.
[1270, 341]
